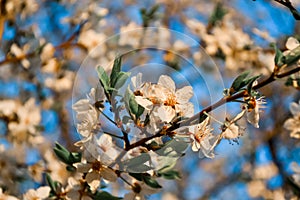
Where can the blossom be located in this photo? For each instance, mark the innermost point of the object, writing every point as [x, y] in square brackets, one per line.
[39, 194]
[139, 191]
[203, 140]
[253, 108]
[29, 117]
[6, 196]
[98, 154]
[293, 124]
[76, 190]
[163, 98]
[87, 114]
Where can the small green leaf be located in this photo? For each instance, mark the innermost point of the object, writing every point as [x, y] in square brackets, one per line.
[151, 182]
[65, 156]
[104, 79]
[172, 174]
[62, 153]
[105, 195]
[238, 82]
[279, 57]
[136, 164]
[115, 71]
[137, 176]
[135, 110]
[120, 80]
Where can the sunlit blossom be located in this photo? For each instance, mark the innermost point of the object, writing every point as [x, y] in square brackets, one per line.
[203, 140]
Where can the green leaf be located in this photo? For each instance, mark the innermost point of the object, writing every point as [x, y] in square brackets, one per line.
[238, 81]
[172, 174]
[137, 176]
[151, 182]
[50, 182]
[135, 110]
[120, 80]
[65, 156]
[279, 57]
[136, 164]
[115, 71]
[173, 148]
[62, 153]
[105, 195]
[104, 79]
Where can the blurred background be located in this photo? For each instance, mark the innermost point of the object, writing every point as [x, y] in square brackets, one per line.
[50, 48]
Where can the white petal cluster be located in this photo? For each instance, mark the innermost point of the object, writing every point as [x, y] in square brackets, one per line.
[203, 140]
[87, 115]
[163, 99]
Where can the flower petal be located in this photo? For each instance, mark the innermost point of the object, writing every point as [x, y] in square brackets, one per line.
[167, 82]
[184, 94]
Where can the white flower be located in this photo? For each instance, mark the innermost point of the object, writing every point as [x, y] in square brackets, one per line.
[253, 108]
[139, 191]
[94, 171]
[39, 194]
[173, 101]
[29, 116]
[203, 140]
[293, 124]
[20, 53]
[231, 131]
[76, 190]
[130, 35]
[97, 155]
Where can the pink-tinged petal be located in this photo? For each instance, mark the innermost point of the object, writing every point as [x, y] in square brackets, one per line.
[82, 105]
[105, 142]
[292, 43]
[184, 94]
[231, 132]
[185, 110]
[167, 82]
[82, 167]
[43, 192]
[145, 103]
[108, 174]
[253, 117]
[166, 113]
[130, 196]
[195, 146]
[93, 180]
[289, 124]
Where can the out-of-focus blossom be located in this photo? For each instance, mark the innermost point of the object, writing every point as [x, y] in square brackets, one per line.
[61, 83]
[38, 194]
[293, 124]
[91, 39]
[76, 190]
[131, 35]
[28, 118]
[21, 53]
[6, 196]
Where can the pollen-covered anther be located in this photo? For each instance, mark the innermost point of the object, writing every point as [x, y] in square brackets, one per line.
[170, 101]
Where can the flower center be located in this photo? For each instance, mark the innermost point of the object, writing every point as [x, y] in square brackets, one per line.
[170, 101]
